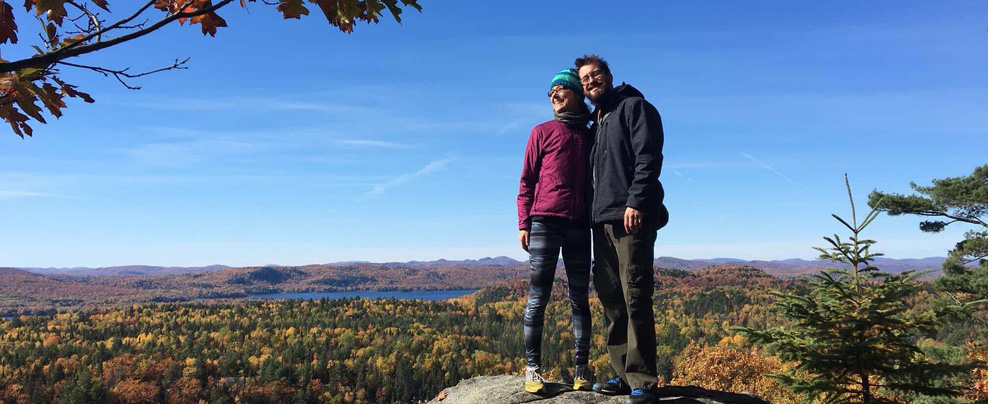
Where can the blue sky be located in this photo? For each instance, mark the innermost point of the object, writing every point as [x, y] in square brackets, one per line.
[287, 142]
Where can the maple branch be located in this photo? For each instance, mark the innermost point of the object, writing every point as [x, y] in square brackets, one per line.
[121, 74]
[93, 20]
[113, 26]
[73, 49]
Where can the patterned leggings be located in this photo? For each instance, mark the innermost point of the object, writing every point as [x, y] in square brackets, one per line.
[547, 237]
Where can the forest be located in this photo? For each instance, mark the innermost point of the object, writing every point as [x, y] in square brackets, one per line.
[394, 351]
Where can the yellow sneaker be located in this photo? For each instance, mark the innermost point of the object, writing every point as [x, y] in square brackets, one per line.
[582, 379]
[534, 383]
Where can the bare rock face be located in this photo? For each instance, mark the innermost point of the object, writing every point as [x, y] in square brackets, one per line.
[510, 390]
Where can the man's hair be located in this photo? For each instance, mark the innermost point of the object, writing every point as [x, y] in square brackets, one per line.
[592, 59]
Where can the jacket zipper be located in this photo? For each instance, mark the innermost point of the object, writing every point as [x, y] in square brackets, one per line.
[596, 145]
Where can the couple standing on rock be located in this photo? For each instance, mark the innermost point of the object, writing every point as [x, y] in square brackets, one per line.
[605, 178]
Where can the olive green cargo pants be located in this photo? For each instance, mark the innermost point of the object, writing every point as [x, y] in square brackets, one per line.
[623, 278]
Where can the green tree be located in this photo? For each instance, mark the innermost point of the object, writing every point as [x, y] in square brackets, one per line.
[852, 335]
[948, 201]
[74, 28]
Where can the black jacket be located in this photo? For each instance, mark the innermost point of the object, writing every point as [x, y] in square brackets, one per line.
[627, 158]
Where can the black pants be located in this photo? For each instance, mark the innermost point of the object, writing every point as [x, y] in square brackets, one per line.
[624, 281]
[547, 237]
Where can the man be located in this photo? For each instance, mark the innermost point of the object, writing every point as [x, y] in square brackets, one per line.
[627, 210]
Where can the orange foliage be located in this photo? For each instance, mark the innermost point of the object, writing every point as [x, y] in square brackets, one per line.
[730, 366]
[133, 391]
[979, 378]
[184, 391]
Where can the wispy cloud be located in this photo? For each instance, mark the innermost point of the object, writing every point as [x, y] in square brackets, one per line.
[702, 165]
[28, 194]
[433, 167]
[371, 143]
[527, 114]
[768, 167]
[680, 175]
[188, 152]
[253, 104]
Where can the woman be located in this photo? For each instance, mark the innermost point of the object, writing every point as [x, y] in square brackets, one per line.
[553, 215]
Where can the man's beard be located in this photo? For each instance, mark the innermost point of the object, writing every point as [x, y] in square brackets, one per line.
[603, 90]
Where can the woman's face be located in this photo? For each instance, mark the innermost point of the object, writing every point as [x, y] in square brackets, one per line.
[564, 99]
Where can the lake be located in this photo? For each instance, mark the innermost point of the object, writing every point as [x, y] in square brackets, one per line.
[370, 294]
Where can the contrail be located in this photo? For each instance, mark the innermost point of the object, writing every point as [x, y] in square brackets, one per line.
[768, 167]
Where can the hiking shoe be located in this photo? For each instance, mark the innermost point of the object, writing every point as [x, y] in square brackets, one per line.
[534, 383]
[641, 396]
[612, 387]
[582, 378]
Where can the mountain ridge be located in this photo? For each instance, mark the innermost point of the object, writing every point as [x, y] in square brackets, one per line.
[785, 267]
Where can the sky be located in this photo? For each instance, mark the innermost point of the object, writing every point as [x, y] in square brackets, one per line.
[288, 142]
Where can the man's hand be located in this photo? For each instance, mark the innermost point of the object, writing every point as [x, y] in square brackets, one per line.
[523, 237]
[632, 220]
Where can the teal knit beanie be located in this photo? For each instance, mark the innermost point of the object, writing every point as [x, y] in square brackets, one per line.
[568, 78]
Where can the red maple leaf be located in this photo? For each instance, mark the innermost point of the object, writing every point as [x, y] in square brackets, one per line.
[292, 9]
[8, 28]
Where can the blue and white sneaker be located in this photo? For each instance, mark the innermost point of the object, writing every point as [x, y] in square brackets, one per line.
[642, 396]
[612, 387]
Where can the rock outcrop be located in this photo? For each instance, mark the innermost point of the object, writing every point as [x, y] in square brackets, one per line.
[509, 390]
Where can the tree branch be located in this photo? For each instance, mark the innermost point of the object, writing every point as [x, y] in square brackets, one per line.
[975, 316]
[72, 50]
[934, 213]
[121, 74]
[113, 26]
[93, 20]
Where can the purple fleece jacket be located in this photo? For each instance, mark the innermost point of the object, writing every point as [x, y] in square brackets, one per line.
[554, 175]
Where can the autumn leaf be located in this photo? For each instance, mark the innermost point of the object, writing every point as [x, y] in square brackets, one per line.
[69, 41]
[26, 95]
[27, 104]
[8, 28]
[187, 10]
[163, 5]
[17, 120]
[52, 31]
[71, 91]
[101, 4]
[209, 23]
[52, 99]
[54, 10]
[337, 14]
[372, 9]
[396, 11]
[292, 9]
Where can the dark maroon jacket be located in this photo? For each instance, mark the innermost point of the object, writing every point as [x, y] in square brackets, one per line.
[554, 176]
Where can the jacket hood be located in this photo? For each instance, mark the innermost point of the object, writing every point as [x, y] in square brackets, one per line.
[620, 93]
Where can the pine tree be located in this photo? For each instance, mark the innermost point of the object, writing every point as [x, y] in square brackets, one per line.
[949, 201]
[852, 335]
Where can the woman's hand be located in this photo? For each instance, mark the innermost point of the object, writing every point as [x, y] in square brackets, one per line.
[523, 237]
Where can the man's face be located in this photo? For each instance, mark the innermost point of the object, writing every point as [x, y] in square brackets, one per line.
[595, 82]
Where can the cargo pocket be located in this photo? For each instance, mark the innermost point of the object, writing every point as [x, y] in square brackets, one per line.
[640, 282]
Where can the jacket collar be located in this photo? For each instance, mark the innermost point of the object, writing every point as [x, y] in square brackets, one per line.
[615, 96]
